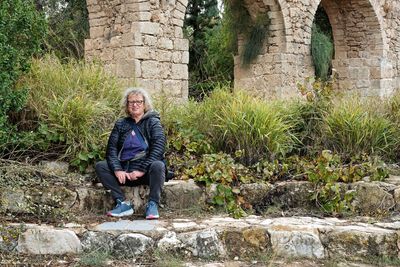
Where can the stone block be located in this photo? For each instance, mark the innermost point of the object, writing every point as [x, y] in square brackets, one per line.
[54, 167]
[290, 195]
[150, 40]
[371, 199]
[131, 245]
[178, 32]
[164, 56]
[183, 2]
[106, 55]
[125, 68]
[179, 6]
[142, 52]
[144, 16]
[96, 32]
[179, 14]
[91, 2]
[153, 86]
[96, 14]
[295, 242]
[44, 240]
[181, 194]
[115, 41]
[255, 192]
[97, 241]
[143, 6]
[179, 71]
[165, 43]
[247, 242]
[202, 244]
[150, 69]
[357, 242]
[172, 88]
[164, 70]
[185, 57]
[177, 22]
[177, 57]
[181, 44]
[131, 38]
[151, 28]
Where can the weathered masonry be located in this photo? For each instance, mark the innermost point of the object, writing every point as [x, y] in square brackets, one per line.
[142, 39]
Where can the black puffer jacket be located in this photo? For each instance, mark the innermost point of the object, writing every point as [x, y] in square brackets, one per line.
[152, 131]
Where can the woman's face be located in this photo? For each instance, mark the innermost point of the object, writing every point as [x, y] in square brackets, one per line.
[136, 105]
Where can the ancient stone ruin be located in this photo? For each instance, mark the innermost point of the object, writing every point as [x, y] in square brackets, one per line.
[143, 41]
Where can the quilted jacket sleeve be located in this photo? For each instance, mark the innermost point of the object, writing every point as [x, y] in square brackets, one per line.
[112, 148]
[156, 141]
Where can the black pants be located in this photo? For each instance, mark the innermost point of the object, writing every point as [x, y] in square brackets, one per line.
[154, 177]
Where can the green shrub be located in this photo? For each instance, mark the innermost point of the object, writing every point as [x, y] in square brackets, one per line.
[239, 122]
[322, 52]
[76, 103]
[22, 30]
[306, 116]
[221, 169]
[352, 129]
[327, 171]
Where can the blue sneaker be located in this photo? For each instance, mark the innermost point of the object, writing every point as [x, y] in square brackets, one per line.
[122, 209]
[152, 210]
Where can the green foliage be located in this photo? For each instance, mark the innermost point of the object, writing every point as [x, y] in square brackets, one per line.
[327, 172]
[354, 128]
[306, 116]
[322, 53]
[168, 259]
[247, 124]
[94, 258]
[21, 32]
[210, 60]
[322, 45]
[220, 169]
[239, 22]
[255, 39]
[76, 103]
[68, 26]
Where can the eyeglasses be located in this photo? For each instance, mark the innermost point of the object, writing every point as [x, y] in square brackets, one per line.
[137, 102]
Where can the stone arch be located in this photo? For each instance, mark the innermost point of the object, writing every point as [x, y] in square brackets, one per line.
[359, 45]
[143, 40]
[267, 71]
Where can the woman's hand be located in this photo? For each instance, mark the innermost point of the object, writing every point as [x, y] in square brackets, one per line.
[121, 176]
[134, 175]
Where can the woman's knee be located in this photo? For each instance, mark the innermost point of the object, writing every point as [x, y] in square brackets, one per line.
[101, 166]
[157, 166]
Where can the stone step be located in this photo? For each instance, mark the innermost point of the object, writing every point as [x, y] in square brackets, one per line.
[212, 238]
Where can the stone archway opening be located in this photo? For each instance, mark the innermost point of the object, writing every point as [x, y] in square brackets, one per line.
[359, 50]
[322, 48]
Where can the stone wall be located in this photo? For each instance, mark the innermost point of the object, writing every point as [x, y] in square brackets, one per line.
[366, 40]
[143, 40]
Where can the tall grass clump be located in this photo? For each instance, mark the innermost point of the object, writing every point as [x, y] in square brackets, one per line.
[76, 104]
[354, 128]
[239, 122]
[306, 115]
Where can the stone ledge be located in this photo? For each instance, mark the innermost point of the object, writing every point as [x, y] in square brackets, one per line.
[218, 237]
[371, 198]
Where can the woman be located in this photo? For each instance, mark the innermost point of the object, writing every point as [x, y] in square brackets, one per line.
[135, 154]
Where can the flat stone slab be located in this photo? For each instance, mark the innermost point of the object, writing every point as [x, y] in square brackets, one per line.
[126, 225]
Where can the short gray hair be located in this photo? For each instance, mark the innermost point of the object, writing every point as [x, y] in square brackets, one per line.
[148, 105]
